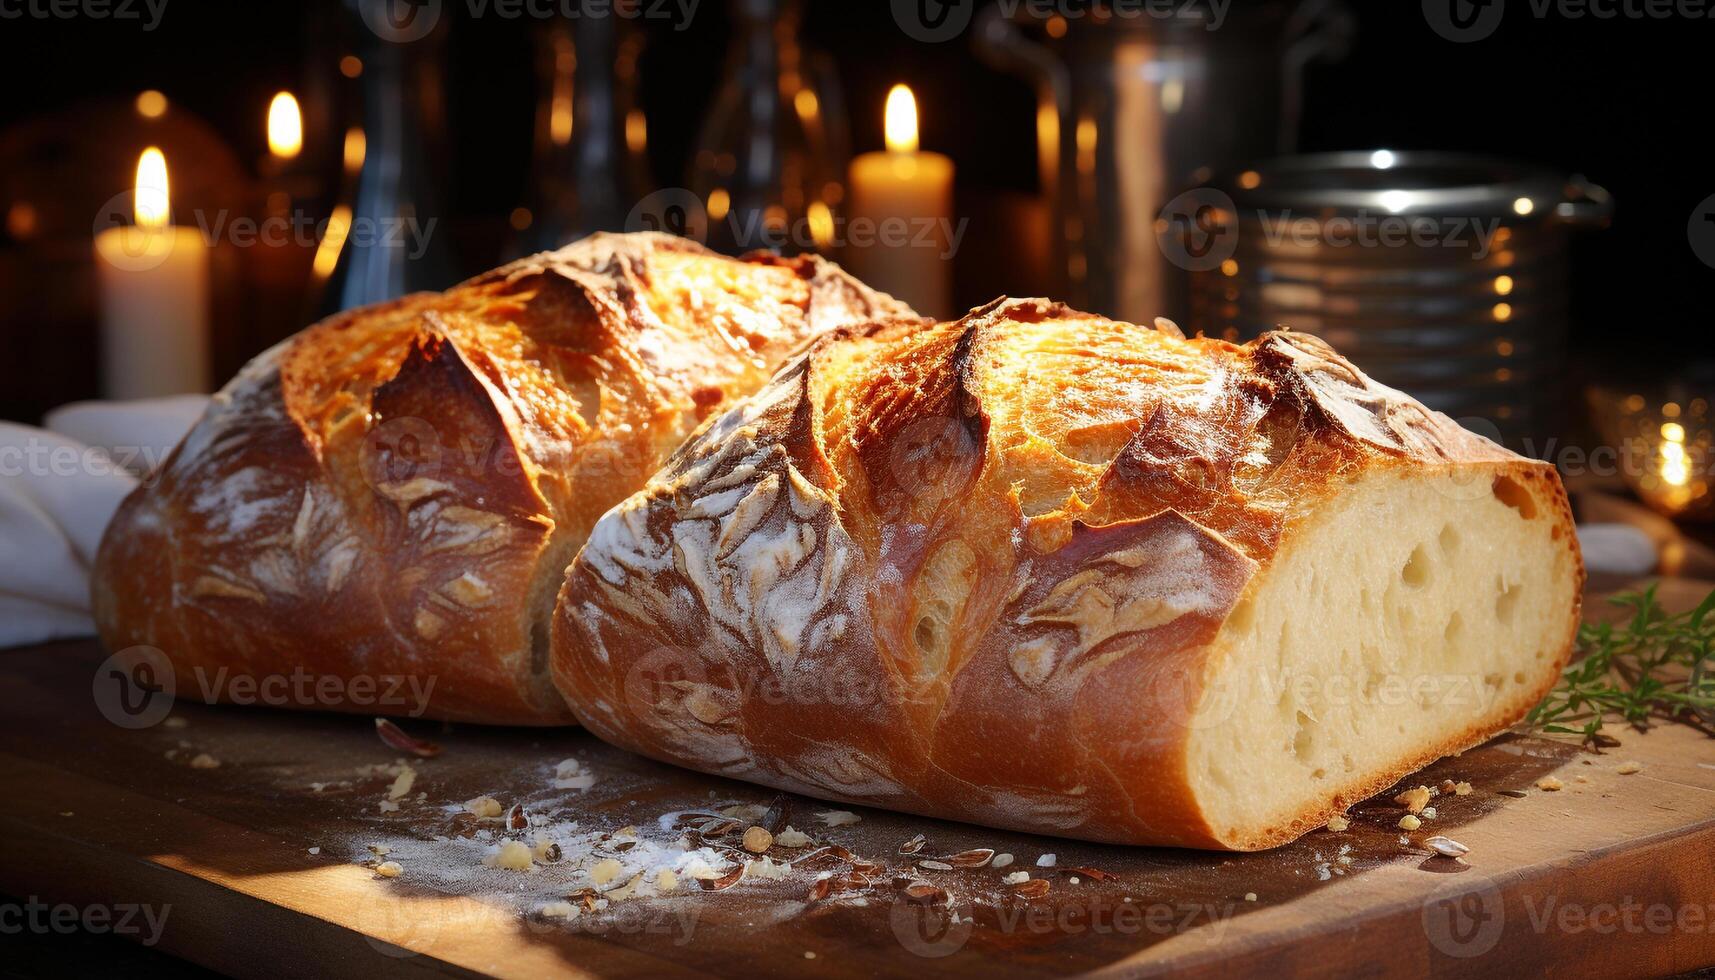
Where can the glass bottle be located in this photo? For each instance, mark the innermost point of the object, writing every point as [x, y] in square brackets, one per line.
[770, 161]
[589, 167]
[391, 238]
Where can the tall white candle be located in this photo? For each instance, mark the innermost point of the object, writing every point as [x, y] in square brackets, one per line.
[901, 212]
[154, 286]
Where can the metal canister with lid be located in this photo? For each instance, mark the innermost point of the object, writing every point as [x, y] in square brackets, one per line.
[1444, 275]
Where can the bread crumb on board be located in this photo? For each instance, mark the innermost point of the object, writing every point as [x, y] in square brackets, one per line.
[1629, 766]
[1016, 878]
[838, 818]
[791, 837]
[389, 869]
[1415, 799]
[604, 871]
[512, 856]
[1550, 784]
[1338, 822]
[486, 807]
[205, 761]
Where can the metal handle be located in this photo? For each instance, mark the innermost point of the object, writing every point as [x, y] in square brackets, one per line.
[1587, 204]
[1318, 30]
[1000, 43]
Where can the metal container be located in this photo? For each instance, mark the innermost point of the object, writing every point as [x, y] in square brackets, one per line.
[1136, 102]
[1444, 275]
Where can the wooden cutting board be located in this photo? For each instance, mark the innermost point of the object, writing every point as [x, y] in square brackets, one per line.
[1613, 874]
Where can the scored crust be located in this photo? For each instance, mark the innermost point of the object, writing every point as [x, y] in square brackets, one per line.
[395, 492]
[988, 571]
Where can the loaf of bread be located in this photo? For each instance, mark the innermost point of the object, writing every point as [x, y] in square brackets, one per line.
[375, 515]
[1040, 570]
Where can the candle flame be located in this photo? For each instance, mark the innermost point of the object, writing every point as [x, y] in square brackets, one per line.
[356, 147]
[149, 199]
[285, 126]
[327, 252]
[901, 120]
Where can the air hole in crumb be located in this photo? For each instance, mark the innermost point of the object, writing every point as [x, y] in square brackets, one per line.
[1305, 741]
[1449, 539]
[1506, 603]
[1508, 491]
[1455, 627]
[1243, 616]
[1416, 570]
[928, 642]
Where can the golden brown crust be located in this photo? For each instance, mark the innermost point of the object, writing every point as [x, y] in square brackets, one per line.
[974, 570]
[396, 490]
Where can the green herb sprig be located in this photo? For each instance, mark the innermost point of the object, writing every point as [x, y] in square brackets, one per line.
[1653, 665]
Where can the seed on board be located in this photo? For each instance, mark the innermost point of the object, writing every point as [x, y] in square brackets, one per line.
[1447, 846]
[758, 839]
[1629, 767]
[1034, 888]
[1409, 822]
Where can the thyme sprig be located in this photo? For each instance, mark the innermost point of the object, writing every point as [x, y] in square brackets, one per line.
[1652, 665]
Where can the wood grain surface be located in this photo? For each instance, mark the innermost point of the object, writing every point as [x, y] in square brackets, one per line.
[1614, 874]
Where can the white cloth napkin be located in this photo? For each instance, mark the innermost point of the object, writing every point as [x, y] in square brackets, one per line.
[57, 494]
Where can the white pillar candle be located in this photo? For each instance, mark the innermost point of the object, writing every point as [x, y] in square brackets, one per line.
[900, 218]
[154, 287]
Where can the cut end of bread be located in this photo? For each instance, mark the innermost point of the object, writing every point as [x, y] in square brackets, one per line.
[1412, 617]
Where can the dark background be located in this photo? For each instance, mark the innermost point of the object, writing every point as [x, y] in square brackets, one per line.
[1623, 101]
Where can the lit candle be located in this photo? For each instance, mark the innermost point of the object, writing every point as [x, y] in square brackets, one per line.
[153, 281]
[285, 127]
[901, 215]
